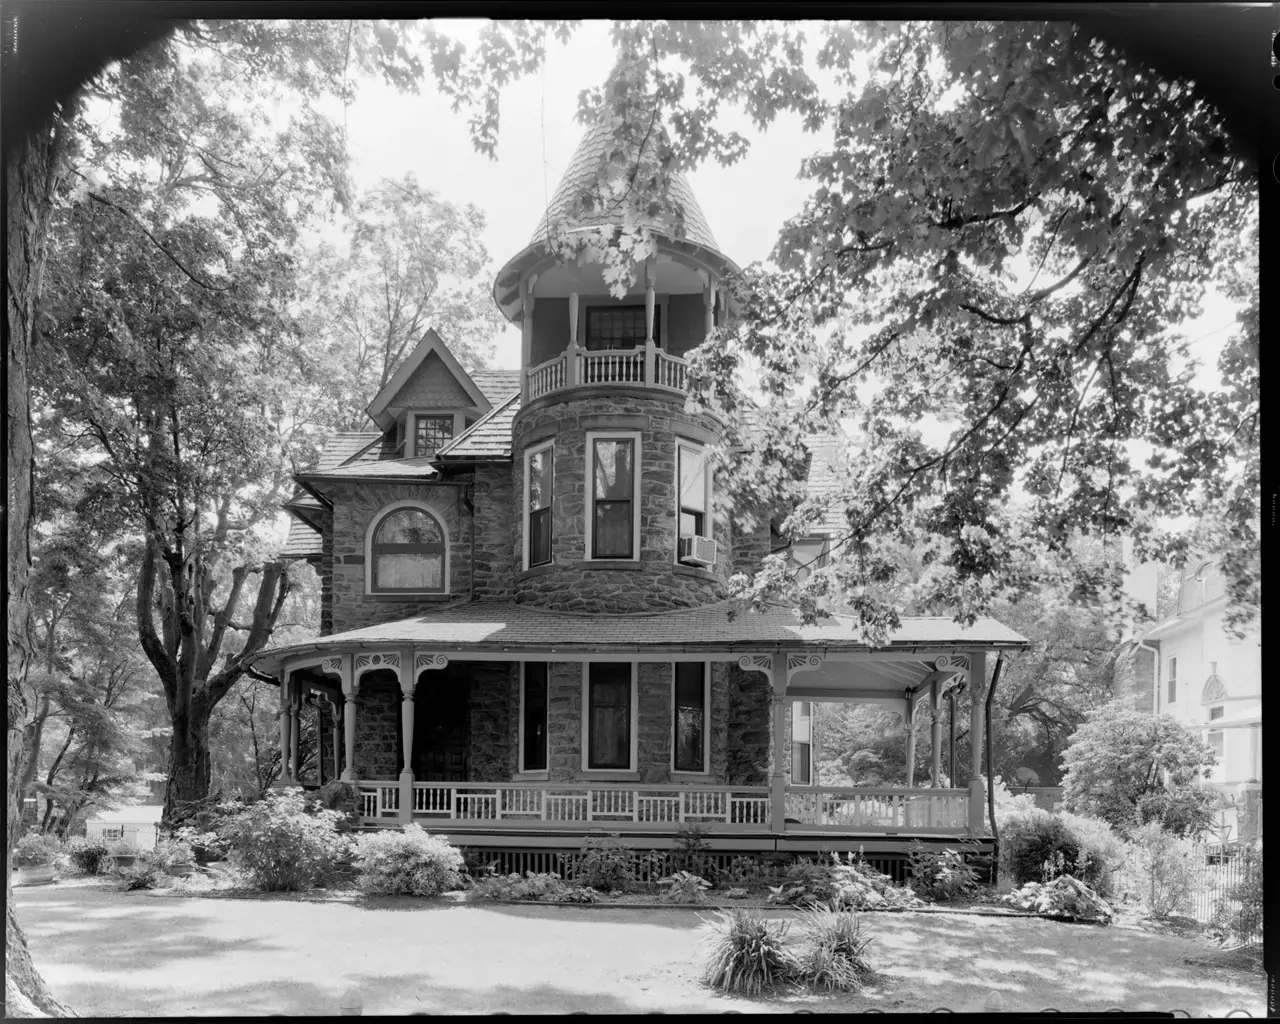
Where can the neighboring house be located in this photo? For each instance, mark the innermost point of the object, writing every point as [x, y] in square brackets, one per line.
[137, 825]
[525, 631]
[1190, 667]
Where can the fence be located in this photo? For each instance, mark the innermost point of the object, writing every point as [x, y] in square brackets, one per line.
[1218, 869]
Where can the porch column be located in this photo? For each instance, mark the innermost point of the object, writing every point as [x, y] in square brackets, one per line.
[951, 739]
[778, 779]
[407, 687]
[526, 335]
[977, 711]
[650, 280]
[911, 739]
[350, 688]
[335, 709]
[935, 736]
[708, 305]
[286, 722]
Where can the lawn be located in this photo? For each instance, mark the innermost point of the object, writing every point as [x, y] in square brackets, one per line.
[108, 953]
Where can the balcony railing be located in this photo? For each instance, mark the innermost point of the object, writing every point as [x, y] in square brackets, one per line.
[646, 366]
[638, 807]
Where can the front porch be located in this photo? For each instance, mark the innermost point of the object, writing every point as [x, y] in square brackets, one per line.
[442, 720]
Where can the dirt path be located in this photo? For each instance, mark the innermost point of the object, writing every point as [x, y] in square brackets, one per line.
[113, 954]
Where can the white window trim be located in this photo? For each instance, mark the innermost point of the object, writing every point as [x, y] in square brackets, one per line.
[1171, 678]
[795, 715]
[380, 515]
[633, 727]
[607, 301]
[706, 721]
[546, 711]
[524, 512]
[411, 426]
[708, 519]
[589, 511]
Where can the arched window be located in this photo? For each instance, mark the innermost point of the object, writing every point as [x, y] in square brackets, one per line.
[407, 553]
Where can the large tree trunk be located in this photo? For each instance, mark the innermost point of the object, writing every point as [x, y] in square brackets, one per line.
[30, 178]
[189, 762]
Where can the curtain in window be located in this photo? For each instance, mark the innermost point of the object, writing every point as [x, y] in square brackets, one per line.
[611, 533]
[609, 725]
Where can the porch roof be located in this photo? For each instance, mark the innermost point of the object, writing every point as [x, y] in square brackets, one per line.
[717, 628]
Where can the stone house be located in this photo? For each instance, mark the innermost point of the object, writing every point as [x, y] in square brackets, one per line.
[525, 632]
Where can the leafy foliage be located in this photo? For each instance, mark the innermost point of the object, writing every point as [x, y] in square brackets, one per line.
[546, 886]
[743, 871]
[146, 872]
[692, 852]
[1101, 855]
[686, 887]
[35, 849]
[89, 855]
[607, 863]
[280, 846]
[173, 852]
[1030, 838]
[847, 884]
[832, 953]
[1166, 867]
[748, 953]
[1126, 766]
[408, 861]
[1064, 896]
[939, 874]
[1240, 915]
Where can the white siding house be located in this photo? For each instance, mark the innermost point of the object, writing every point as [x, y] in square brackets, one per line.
[139, 825]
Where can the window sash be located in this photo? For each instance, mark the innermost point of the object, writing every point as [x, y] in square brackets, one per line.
[609, 715]
[534, 717]
[406, 566]
[431, 433]
[1173, 680]
[690, 717]
[620, 327]
[800, 767]
[540, 537]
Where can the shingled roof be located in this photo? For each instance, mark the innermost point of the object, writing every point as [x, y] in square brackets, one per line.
[496, 385]
[488, 438]
[303, 542]
[490, 625]
[343, 447]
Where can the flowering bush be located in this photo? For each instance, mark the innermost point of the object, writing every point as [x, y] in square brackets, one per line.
[843, 885]
[939, 875]
[171, 853]
[409, 861]
[35, 849]
[1063, 897]
[280, 847]
[89, 854]
[686, 887]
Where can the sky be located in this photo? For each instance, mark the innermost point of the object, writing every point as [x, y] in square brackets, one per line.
[390, 133]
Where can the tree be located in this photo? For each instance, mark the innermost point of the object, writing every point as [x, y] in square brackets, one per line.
[413, 264]
[1129, 767]
[1008, 223]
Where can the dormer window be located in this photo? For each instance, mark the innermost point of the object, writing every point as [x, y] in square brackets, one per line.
[407, 550]
[610, 327]
[431, 433]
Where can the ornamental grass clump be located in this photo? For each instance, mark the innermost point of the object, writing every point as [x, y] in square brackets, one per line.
[278, 845]
[832, 953]
[748, 954]
[408, 862]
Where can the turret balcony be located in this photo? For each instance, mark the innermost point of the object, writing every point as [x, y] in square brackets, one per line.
[644, 366]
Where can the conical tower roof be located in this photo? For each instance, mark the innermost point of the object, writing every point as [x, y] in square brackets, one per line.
[580, 179]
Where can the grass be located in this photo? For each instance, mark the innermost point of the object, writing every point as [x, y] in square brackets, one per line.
[109, 953]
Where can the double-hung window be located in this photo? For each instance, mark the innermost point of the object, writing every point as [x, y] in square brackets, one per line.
[613, 522]
[533, 717]
[539, 486]
[689, 747]
[615, 327]
[610, 706]
[695, 492]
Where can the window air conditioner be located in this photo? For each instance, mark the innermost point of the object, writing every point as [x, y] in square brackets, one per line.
[698, 550]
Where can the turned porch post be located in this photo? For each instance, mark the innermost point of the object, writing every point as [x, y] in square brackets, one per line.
[778, 779]
[350, 688]
[951, 738]
[407, 687]
[286, 697]
[526, 337]
[935, 737]
[977, 711]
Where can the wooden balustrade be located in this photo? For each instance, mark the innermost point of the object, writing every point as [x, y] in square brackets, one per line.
[612, 366]
[879, 809]
[547, 377]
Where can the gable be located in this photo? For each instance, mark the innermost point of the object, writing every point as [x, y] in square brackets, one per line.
[429, 378]
[431, 386]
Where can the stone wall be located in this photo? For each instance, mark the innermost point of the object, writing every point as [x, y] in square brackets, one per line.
[564, 720]
[496, 535]
[355, 505]
[378, 751]
[653, 583]
[653, 721]
[492, 757]
[324, 569]
[749, 734]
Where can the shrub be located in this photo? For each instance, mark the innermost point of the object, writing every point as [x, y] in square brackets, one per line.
[832, 954]
[145, 873]
[533, 886]
[477, 864]
[90, 855]
[172, 853]
[1064, 896]
[742, 872]
[692, 852]
[1239, 916]
[1101, 854]
[686, 887]
[844, 885]
[1030, 839]
[607, 863]
[748, 953]
[280, 847]
[35, 849]
[939, 874]
[410, 862]
[1166, 866]
[205, 846]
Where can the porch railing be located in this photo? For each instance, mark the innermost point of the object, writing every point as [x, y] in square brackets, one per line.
[644, 366]
[879, 809]
[537, 804]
